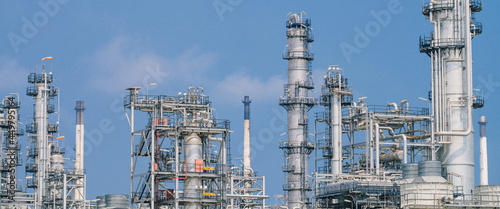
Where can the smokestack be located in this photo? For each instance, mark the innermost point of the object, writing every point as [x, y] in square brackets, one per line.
[78, 195]
[247, 164]
[483, 152]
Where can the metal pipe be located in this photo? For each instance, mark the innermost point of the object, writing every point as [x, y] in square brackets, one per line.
[377, 149]
[483, 152]
[192, 185]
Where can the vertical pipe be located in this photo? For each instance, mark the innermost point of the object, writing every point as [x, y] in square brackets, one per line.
[451, 64]
[483, 152]
[377, 149]
[247, 164]
[336, 129]
[79, 140]
[192, 152]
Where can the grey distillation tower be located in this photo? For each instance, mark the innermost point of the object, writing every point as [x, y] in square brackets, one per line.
[450, 50]
[297, 103]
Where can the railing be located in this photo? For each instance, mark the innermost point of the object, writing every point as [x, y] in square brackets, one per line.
[384, 109]
[155, 99]
[476, 6]
[32, 91]
[290, 24]
[288, 186]
[427, 8]
[298, 55]
[53, 128]
[39, 78]
[476, 27]
[297, 100]
[428, 43]
[478, 102]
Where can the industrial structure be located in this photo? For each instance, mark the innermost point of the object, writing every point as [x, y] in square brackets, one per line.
[181, 157]
[49, 181]
[364, 156]
[297, 103]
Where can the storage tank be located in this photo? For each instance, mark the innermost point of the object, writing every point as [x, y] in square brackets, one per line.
[428, 190]
[488, 194]
[116, 201]
[410, 171]
[101, 204]
[429, 168]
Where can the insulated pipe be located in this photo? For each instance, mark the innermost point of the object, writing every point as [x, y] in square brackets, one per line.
[247, 163]
[192, 185]
[377, 148]
[483, 152]
[336, 131]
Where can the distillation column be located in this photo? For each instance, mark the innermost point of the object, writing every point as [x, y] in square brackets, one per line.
[451, 65]
[247, 163]
[334, 92]
[79, 140]
[483, 152]
[297, 103]
[192, 185]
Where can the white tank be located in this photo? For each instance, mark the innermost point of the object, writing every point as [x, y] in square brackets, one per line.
[428, 189]
[57, 162]
[488, 194]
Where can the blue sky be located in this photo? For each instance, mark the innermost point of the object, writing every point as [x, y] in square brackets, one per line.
[230, 47]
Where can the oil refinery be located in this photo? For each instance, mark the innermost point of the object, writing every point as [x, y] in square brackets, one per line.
[338, 151]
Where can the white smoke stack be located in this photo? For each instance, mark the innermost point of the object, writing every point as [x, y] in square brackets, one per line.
[247, 163]
[483, 152]
[78, 195]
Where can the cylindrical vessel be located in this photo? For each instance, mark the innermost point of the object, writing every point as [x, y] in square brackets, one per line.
[410, 170]
[429, 168]
[193, 155]
[483, 152]
[116, 201]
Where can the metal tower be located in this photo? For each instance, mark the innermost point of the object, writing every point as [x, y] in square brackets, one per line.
[41, 135]
[9, 123]
[449, 48]
[297, 103]
[54, 185]
[335, 95]
[179, 159]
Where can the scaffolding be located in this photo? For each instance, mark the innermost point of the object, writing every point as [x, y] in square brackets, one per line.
[54, 185]
[351, 171]
[179, 159]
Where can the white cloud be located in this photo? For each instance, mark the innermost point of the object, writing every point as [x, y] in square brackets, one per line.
[239, 84]
[14, 76]
[123, 63]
